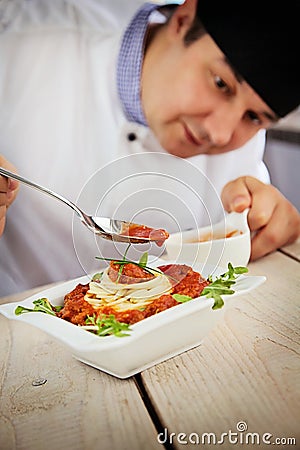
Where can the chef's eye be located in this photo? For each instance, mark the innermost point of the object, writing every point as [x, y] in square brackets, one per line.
[222, 85]
[254, 118]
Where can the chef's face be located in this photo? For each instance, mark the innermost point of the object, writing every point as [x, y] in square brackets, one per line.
[192, 98]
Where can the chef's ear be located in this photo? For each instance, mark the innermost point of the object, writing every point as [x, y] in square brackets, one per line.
[182, 19]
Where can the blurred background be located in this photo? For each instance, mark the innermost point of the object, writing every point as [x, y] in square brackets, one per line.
[282, 156]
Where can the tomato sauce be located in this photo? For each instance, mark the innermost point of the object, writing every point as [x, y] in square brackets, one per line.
[76, 309]
[129, 273]
[183, 278]
[142, 231]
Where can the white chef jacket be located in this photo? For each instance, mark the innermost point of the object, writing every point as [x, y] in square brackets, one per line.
[62, 125]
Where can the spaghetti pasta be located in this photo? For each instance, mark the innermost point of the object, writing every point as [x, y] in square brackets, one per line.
[123, 296]
[128, 292]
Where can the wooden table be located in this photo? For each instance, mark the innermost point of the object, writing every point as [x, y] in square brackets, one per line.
[245, 374]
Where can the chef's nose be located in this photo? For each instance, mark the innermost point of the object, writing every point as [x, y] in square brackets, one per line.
[222, 123]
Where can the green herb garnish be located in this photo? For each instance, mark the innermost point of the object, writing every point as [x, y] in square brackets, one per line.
[97, 277]
[41, 305]
[143, 260]
[142, 263]
[222, 284]
[106, 325]
[122, 265]
[182, 298]
[218, 287]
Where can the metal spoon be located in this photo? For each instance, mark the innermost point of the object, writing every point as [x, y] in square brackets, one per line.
[112, 229]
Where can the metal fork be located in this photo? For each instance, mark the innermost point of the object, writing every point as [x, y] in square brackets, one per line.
[105, 227]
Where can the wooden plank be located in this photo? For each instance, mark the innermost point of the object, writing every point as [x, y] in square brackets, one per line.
[78, 407]
[292, 250]
[247, 369]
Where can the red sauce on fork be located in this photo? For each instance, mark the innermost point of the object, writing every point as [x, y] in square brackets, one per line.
[157, 235]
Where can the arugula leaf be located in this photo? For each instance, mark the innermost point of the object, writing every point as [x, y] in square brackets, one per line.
[222, 284]
[218, 287]
[105, 325]
[40, 305]
[182, 298]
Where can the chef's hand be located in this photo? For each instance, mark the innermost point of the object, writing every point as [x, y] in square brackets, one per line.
[272, 217]
[8, 191]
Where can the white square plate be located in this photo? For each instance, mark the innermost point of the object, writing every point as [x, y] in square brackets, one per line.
[150, 342]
